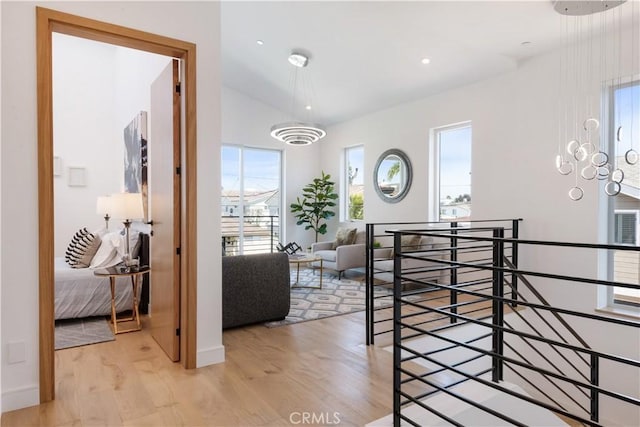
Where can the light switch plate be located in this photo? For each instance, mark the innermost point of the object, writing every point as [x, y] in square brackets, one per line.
[16, 352]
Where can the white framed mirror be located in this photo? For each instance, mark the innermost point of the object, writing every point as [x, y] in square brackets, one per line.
[392, 175]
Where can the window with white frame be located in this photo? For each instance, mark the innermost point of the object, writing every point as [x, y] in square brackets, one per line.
[626, 264]
[624, 209]
[250, 199]
[451, 173]
[625, 228]
[354, 180]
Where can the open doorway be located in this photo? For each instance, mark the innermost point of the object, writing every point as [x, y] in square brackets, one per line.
[49, 22]
[102, 136]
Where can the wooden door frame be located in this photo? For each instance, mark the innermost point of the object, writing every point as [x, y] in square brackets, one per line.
[49, 21]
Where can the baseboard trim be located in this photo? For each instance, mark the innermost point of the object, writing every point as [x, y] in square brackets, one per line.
[19, 398]
[210, 356]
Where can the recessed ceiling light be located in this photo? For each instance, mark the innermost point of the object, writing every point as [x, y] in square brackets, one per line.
[425, 61]
[308, 107]
[259, 42]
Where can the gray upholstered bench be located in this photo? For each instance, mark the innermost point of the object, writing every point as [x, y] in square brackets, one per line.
[255, 288]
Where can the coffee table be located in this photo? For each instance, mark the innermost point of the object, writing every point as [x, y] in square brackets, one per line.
[304, 259]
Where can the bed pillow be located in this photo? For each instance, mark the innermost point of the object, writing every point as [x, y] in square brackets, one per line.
[82, 248]
[134, 243]
[107, 254]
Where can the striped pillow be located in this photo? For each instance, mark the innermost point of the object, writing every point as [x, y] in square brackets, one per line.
[82, 248]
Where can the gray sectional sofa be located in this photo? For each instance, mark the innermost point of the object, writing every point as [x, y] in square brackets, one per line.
[255, 288]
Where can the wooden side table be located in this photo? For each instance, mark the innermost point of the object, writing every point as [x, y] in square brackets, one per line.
[304, 259]
[136, 277]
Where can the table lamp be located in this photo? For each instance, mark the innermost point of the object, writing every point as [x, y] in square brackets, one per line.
[127, 207]
[103, 207]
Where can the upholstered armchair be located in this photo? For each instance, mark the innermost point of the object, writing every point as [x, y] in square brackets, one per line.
[340, 255]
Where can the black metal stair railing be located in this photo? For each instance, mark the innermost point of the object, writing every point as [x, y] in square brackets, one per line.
[532, 340]
[527, 284]
[379, 281]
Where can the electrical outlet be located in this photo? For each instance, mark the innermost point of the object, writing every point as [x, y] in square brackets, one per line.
[16, 352]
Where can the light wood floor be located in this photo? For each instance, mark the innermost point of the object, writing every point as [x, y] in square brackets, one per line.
[271, 377]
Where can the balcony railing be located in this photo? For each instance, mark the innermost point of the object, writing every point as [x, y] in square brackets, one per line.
[250, 234]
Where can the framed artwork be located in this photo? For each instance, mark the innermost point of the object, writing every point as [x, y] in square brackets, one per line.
[77, 176]
[135, 159]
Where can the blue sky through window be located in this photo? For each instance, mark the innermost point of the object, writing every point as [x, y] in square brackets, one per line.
[356, 160]
[261, 169]
[455, 162]
[627, 106]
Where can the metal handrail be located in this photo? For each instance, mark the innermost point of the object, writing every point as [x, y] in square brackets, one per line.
[453, 250]
[501, 269]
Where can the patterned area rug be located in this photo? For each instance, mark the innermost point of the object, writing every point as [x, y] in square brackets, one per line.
[335, 298]
[76, 332]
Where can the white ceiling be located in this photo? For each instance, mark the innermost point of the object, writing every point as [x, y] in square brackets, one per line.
[365, 56]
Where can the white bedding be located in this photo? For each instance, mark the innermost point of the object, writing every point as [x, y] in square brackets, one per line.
[80, 293]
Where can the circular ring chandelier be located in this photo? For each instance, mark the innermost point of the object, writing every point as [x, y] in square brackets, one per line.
[296, 133]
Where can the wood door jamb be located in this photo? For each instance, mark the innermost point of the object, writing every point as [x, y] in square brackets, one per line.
[49, 21]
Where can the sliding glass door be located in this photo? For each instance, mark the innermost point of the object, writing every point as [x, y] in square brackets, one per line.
[251, 199]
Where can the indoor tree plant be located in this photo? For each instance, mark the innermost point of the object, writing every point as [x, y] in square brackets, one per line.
[316, 205]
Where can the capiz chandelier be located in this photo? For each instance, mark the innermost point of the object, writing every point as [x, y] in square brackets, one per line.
[296, 132]
[600, 53]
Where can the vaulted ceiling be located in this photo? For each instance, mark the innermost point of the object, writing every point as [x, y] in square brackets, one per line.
[366, 56]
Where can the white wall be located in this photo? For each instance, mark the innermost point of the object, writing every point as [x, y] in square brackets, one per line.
[83, 132]
[135, 71]
[97, 90]
[246, 121]
[19, 196]
[515, 127]
[515, 120]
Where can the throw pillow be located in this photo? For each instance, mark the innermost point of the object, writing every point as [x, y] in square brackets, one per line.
[82, 248]
[85, 261]
[410, 242]
[345, 236]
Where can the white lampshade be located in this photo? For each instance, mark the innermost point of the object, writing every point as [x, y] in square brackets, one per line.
[126, 206]
[103, 205]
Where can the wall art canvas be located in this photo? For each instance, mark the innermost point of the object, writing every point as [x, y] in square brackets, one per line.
[135, 158]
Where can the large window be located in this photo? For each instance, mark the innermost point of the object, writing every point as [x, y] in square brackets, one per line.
[251, 199]
[451, 150]
[624, 216]
[354, 188]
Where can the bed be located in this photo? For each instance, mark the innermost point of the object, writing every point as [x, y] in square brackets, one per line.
[79, 293]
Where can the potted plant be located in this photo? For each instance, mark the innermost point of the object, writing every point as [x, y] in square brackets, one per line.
[316, 205]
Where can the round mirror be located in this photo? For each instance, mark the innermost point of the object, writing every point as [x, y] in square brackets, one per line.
[392, 175]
